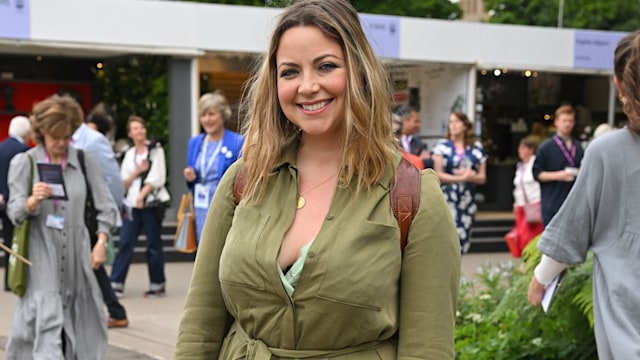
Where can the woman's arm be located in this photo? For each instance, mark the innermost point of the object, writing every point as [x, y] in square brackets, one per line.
[20, 204]
[479, 176]
[189, 172]
[544, 273]
[429, 279]
[156, 177]
[205, 318]
[445, 178]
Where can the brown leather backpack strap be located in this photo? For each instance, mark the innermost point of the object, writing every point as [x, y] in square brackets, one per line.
[238, 185]
[405, 197]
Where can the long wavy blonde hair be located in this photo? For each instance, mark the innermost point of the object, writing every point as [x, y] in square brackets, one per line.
[367, 148]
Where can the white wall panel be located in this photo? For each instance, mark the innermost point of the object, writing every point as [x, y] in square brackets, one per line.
[172, 27]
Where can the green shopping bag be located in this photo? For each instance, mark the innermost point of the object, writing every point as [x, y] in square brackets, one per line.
[17, 271]
[17, 277]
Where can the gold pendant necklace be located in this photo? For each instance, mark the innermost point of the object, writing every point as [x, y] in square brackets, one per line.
[301, 201]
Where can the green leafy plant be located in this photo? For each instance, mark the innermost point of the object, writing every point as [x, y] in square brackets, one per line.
[137, 85]
[496, 321]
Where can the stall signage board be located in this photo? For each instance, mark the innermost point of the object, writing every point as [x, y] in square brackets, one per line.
[15, 21]
[383, 33]
[594, 49]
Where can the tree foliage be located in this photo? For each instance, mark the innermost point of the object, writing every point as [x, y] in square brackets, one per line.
[436, 9]
[617, 15]
[137, 85]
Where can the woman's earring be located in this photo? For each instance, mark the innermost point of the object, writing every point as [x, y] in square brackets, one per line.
[623, 99]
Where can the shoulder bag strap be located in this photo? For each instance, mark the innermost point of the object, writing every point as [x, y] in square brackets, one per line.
[84, 173]
[523, 170]
[30, 173]
[238, 185]
[405, 197]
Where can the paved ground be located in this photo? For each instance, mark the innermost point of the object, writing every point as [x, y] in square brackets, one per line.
[154, 322]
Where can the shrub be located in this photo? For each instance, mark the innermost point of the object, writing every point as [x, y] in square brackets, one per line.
[496, 321]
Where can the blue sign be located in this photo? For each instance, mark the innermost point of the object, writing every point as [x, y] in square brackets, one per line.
[594, 49]
[383, 33]
[15, 19]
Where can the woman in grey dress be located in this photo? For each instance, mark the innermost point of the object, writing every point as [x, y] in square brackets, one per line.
[61, 315]
[601, 214]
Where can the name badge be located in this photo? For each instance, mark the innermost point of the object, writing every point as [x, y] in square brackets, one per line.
[55, 221]
[201, 196]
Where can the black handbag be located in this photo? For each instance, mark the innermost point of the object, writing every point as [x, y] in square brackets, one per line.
[90, 213]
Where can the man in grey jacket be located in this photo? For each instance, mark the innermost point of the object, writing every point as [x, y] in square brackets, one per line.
[88, 139]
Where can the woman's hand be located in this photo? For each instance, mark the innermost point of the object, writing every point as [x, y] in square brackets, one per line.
[140, 201]
[39, 192]
[142, 167]
[536, 292]
[464, 174]
[189, 174]
[99, 252]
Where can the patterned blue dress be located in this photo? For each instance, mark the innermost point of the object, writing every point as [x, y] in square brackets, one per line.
[211, 180]
[460, 196]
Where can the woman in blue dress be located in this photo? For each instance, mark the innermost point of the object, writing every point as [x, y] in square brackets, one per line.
[210, 153]
[459, 160]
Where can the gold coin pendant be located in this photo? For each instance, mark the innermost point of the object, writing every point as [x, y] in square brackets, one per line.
[300, 203]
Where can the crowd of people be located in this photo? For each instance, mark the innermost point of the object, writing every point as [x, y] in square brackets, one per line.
[304, 196]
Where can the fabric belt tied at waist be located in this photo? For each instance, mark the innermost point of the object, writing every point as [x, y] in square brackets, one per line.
[252, 349]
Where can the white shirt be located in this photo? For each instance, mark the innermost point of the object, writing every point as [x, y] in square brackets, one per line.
[531, 186]
[157, 173]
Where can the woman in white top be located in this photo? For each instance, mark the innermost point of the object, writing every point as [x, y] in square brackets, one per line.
[526, 190]
[144, 174]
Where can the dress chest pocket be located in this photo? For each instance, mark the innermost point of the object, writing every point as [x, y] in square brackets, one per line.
[364, 266]
[239, 262]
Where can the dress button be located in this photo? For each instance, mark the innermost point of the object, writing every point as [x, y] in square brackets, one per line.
[311, 254]
[329, 217]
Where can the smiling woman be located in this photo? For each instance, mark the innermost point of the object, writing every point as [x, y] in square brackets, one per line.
[318, 164]
[210, 153]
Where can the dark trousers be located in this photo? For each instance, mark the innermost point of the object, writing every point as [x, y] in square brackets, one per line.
[116, 310]
[7, 236]
[148, 219]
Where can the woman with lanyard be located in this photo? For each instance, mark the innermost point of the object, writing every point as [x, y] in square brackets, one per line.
[459, 161]
[210, 153]
[60, 315]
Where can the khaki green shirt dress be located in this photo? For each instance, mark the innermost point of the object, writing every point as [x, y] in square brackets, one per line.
[358, 296]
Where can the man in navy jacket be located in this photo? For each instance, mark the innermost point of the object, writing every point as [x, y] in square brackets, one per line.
[19, 134]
